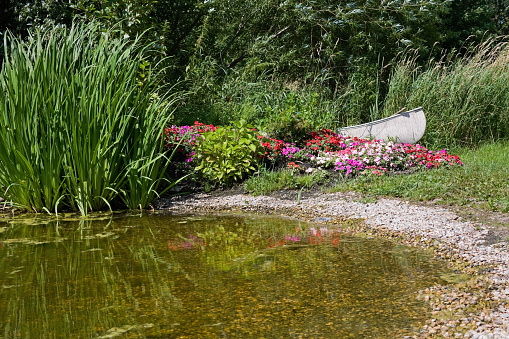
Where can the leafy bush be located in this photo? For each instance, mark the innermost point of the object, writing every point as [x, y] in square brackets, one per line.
[227, 154]
[77, 127]
[292, 119]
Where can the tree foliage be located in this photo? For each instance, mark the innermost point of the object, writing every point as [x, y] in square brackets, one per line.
[473, 21]
[347, 45]
[293, 37]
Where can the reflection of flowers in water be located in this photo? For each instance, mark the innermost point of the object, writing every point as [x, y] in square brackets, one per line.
[293, 238]
[314, 236]
[186, 244]
[323, 236]
[322, 231]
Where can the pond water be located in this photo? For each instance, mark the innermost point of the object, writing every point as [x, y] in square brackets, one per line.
[222, 276]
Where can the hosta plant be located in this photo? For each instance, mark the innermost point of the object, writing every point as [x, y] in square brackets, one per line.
[228, 154]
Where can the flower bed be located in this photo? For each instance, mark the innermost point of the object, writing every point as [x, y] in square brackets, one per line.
[324, 151]
[351, 156]
[185, 139]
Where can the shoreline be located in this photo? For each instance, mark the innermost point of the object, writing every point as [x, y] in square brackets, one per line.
[475, 308]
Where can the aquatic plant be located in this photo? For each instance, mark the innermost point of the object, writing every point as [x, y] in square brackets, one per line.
[80, 121]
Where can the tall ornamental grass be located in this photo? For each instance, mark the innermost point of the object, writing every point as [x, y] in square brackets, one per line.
[466, 100]
[80, 122]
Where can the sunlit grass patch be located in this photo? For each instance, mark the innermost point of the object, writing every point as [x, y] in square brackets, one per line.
[482, 181]
[266, 181]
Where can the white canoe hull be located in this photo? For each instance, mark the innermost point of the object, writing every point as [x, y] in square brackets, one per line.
[406, 127]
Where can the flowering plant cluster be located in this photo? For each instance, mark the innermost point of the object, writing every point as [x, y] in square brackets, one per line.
[277, 150]
[186, 138]
[326, 150]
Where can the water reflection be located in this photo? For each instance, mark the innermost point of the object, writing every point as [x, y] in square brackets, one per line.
[205, 277]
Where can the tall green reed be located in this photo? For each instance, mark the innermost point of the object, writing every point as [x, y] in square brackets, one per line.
[80, 123]
[466, 99]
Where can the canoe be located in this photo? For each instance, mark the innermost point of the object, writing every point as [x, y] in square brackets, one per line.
[405, 127]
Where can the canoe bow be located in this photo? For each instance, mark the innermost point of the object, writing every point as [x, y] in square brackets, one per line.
[405, 127]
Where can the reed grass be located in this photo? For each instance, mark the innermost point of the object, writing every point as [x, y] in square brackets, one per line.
[80, 121]
[465, 98]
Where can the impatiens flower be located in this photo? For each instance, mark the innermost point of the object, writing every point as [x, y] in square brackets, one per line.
[325, 150]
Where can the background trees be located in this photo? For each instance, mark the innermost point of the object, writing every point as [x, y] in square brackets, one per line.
[249, 58]
[293, 36]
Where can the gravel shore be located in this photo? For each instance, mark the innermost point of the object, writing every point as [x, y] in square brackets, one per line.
[474, 308]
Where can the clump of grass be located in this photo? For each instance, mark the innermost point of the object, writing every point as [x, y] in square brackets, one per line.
[482, 182]
[266, 181]
[273, 105]
[465, 99]
[80, 121]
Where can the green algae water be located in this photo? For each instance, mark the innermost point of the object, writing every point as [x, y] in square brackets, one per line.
[223, 276]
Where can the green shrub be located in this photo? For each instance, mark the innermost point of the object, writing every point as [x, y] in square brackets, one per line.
[228, 154]
[292, 119]
[80, 121]
[278, 108]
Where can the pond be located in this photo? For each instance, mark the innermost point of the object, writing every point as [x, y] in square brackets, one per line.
[205, 276]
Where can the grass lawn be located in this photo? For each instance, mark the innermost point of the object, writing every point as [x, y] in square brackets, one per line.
[483, 181]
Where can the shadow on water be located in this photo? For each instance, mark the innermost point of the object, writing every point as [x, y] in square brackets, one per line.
[233, 276]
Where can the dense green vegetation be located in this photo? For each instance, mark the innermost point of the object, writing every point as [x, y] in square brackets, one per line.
[466, 99]
[228, 154]
[80, 119]
[316, 63]
[88, 87]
